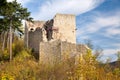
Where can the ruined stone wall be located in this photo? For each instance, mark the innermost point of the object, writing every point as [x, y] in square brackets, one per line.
[50, 52]
[61, 29]
[49, 31]
[34, 35]
[55, 51]
[64, 23]
[66, 27]
[81, 48]
[68, 50]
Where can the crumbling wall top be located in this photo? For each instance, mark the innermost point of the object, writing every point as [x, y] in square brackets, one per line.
[34, 24]
[58, 14]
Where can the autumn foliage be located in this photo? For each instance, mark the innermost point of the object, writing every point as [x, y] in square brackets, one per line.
[25, 67]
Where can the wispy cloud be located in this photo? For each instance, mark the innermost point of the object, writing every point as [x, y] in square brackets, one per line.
[110, 51]
[113, 31]
[110, 24]
[116, 45]
[109, 54]
[50, 7]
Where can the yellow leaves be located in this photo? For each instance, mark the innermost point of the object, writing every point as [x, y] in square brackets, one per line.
[7, 77]
[24, 67]
[22, 55]
[86, 68]
[5, 54]
[116, 71]
[24, 70]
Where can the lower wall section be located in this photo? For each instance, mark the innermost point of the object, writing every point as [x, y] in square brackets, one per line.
[50, 52]
[56, 51]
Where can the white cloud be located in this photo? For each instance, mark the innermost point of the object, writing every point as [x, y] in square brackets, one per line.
[23, 2]
[1, 17]
[113, 20]
[110, 51]
[113, 31]
[10, 0]
[101, 21]
[111, 25]
[109, 54]
[116, 45]
[49, 8]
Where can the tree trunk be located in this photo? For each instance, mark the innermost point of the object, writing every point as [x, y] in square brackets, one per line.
[3, 42]
[1, 37]
[10, 40]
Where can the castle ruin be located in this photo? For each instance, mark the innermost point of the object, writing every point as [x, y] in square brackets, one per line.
[53, 39]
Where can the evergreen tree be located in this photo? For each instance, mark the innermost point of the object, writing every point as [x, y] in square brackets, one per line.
[13, 14]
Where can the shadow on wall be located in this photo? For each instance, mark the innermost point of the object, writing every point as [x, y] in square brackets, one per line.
[49, 31]
[35, 37]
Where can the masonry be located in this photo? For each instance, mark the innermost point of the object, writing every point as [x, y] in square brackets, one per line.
[54, 39]
[55, 51]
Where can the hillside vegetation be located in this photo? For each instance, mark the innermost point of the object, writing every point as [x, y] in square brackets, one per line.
[25, 67]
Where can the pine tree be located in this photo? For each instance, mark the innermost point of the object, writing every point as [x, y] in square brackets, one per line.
[13, 14]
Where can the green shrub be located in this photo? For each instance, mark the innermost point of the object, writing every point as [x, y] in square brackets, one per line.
[17, 47]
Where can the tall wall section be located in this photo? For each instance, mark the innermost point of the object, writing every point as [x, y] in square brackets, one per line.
[66, 27]
[34, 35]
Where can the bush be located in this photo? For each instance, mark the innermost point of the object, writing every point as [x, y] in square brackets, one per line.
[17, 47]
[4, 55]
[24, 67]
[6, 77]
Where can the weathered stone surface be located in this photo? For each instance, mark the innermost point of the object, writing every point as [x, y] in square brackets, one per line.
[55, 51]
[81, 48]
[66, 27]
[50, 52]
[34, 39]
[34, 34]
[62, 27]
[53, 40]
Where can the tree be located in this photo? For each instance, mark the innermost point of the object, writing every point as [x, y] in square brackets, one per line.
[13, 14]
[118, 56]
[86, 69]
[98, 53]
[89, 43]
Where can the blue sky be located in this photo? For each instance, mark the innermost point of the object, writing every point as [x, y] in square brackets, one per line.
[96, 20]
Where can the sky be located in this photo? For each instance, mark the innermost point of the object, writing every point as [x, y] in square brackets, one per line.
[96, 20]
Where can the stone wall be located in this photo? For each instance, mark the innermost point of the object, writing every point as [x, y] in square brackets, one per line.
[50, 52]
[66, 25]
[68, 50]
[81, 48]
[48, 28]
[55, 51]
[34, 35]
[61, 30]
